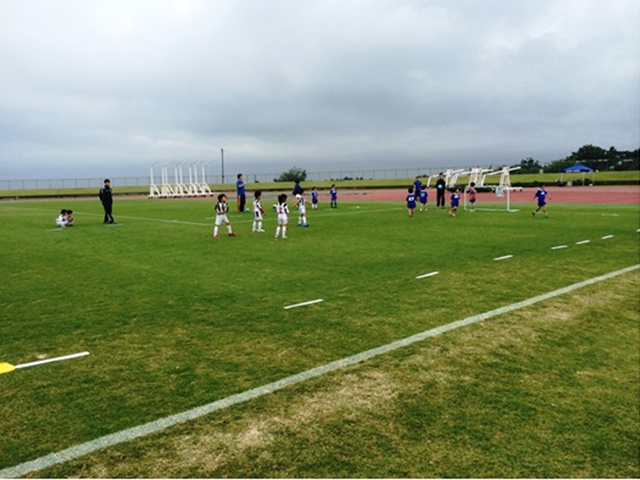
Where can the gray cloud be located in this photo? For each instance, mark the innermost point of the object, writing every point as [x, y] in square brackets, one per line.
[89, 86]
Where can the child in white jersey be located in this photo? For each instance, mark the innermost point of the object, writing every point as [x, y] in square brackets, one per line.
[283, 215]
[258, 213]
[302, 209]
[222, 207]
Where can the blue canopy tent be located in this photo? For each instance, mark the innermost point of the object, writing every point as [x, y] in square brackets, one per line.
[577, 168]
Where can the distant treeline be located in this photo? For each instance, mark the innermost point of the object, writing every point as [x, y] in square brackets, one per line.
[591, 156]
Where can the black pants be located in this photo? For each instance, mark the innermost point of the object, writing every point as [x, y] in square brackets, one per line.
[241, 201]
[108, 218]
[440, 198]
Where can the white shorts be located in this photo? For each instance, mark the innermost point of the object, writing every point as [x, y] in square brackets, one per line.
[220, 219]
[61, 223]
[257, 215]
[302, 209]
[283, 219]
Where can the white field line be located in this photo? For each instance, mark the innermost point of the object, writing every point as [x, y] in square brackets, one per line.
[559, 247]
[638, 230]
[428, 275]
[318, 215]
[303, 304]
[129, 434]
[610, 214]
[249, 218]
[583, 242]
[607, 237]
[49, 360]
[497, 259]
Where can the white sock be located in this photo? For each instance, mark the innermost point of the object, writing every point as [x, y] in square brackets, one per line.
[259, 224]
[284, 231]
[254, 227]
[277, 231]
[229, 229]
[215, 230]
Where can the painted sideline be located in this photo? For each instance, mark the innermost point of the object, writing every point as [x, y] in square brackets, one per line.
[166, 422]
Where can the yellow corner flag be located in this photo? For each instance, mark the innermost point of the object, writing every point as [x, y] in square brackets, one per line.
[6, 367]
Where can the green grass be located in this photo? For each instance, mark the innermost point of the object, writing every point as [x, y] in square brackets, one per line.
[549, 178]
[174, 320]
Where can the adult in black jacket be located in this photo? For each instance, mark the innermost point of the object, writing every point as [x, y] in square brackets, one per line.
[441, 187]
[107, 201]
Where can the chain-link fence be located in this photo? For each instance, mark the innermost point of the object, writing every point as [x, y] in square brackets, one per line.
[354, 174]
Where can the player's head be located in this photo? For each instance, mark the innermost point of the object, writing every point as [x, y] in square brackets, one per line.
[63, 212]
[440, 174]
[257, 194]
[107, 182]
[282, 198]
[410, 190]
[301, 191]
[239, 176]
[542, 185]
[417, 177]
[473, 184]
[314, 189]
[423, 187]
[333, 185]
[222, 198]
[69, 212]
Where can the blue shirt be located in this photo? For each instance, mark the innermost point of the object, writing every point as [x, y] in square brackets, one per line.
[411, 201]
[417, 185]
[542, 196]
[455, 199]
[334, 194]
[240, 187]
[423, 196]
[314, 197]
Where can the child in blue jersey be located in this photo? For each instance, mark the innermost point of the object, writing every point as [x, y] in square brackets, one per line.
[314, 198]
[411, 201]
[333, 191]
[424, 198]
[541, 195]
[471, 191]
[283, 215]
[455, 202]
[417, 185]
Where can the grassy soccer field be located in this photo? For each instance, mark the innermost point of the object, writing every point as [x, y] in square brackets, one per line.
[174, 319]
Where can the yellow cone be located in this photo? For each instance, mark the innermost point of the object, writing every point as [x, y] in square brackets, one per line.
[6, 367]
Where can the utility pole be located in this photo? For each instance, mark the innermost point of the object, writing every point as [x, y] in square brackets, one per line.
[222, 156]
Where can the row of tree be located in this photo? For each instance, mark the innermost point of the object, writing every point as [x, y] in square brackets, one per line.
[591, 156]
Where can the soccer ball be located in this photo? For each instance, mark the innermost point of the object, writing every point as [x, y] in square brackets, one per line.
[246, 210]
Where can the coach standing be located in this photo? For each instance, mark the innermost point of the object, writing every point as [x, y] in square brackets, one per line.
[107, 201]
[441, 187]
[240, 189]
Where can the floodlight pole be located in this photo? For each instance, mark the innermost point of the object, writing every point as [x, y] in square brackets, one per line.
[222, 158]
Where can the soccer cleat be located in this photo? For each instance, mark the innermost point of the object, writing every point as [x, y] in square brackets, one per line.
[260, 231]
[284, 236]
[232, 234]
[216, 237]
[533, 214]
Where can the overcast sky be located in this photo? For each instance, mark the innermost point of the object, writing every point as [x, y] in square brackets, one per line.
[106, 87]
